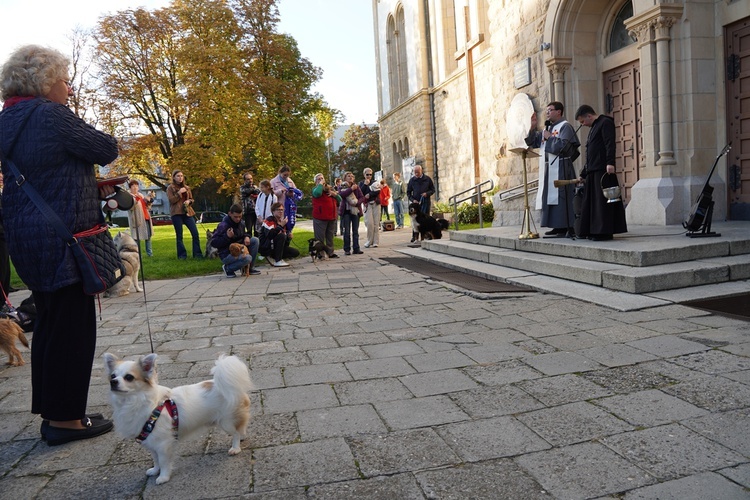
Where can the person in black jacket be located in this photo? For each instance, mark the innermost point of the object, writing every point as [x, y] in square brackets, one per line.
[419, 190]
[599, 219]
[55, 151]
[275, 241]
[249, 193]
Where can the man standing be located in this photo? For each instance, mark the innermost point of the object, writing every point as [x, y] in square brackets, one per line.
[599, 219]
[419, 190]
[249, 194]
[398, 194]
[371, 192]
[557, 142]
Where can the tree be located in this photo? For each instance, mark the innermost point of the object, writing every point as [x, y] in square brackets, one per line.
[360, 150]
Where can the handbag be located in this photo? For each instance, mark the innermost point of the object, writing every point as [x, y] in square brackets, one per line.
[94, 251]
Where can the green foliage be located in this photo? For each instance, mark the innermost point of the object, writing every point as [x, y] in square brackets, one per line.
[442, 207]
[360, 150]
[468, 213]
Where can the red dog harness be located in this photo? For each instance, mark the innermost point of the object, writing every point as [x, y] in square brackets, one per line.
[171, 408]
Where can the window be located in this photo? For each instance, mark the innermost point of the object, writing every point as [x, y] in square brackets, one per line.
[620, 38]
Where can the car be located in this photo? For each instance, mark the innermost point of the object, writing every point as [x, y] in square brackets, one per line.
[161, 220]
[210, 216]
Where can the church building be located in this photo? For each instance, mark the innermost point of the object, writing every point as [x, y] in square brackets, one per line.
[674, 75]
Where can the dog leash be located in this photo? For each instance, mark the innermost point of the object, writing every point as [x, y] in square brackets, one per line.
[143, 286]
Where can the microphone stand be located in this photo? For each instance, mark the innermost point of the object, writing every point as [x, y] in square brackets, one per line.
[568, 233]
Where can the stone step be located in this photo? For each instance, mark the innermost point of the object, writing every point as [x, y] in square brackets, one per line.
[630, 279]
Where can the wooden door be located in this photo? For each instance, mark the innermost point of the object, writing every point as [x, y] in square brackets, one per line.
[622, 89]
[737, 51]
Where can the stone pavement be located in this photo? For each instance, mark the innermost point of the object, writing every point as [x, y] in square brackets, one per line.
[375, 382]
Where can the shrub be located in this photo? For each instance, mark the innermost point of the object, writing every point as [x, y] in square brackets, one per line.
[469, 213]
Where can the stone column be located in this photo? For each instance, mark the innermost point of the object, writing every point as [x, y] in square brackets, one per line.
[662, 25]
[557, 67]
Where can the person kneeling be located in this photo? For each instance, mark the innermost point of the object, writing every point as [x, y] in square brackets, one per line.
[232, 230]
[274, 239]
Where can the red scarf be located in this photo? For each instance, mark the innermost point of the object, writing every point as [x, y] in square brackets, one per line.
[12, 101]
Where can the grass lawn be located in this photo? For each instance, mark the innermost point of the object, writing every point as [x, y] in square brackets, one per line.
[165, 265]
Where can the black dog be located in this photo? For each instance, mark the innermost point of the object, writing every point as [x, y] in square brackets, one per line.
[316, 249]
[427, 226]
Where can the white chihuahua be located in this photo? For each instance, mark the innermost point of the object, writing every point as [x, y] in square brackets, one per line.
[138, 401]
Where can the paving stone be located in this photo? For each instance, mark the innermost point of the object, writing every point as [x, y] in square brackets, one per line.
[505, 372]
[671, 326]
[495, 401]
[269, 378]
[279, 360]
[491, 479]
[341, 421]
[197, 473]
[545, 329]
[587, 470]
[302, 464]
[706, 485]
[437, 382]
[502, 336]
[272, 430]
[442, 360]
[337, 355]
[391, 349]
[298, 398]
[401, 451]
[739, 474]
[558, 363]
[713, 362]
[419, 412]
[728, 428]
[360, 339]
[575, 341]
[316, 374]
[536, 347]
[650, 408]
[572, 423]
[379, 368]
[491, 438]
[23, 487]
[672, 451]
[494, 353]
[712, 393]
[667, 346]
[616, 355]
[401, 486]
[371, 391]
[553, 391]
[623, 332]
[310, 344]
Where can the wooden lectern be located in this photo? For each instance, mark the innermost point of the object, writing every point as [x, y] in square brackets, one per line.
[528, 221]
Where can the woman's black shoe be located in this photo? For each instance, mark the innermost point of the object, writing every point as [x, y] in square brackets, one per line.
[57, 435]
[45, 423]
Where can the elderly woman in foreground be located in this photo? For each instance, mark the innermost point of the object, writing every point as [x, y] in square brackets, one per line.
[56, 152]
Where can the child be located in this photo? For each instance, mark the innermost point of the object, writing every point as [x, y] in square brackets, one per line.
[385, 197]
[266, 198]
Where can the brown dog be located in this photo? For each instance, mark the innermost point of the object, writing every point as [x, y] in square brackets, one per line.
[9, 332]
[238, 249]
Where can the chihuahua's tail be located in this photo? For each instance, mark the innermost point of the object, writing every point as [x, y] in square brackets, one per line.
[231, 377]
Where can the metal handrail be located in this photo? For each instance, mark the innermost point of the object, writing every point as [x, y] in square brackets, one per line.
[477, 193]
[532, 184]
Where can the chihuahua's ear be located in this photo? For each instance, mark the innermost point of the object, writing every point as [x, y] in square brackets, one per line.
[110, 360]
[148, 364]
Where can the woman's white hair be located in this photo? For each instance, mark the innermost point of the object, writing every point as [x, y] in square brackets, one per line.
[32, 70]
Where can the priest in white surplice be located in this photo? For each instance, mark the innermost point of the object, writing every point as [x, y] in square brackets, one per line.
[556, 142]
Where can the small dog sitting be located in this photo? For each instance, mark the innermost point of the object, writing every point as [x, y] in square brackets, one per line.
[317, 249]
[236, 250]
[9, 332]
[211, 251]
[427, 226]
[148, 412]
[128, 250]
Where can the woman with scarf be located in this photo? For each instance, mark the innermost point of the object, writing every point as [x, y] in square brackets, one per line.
[181, 209]
[56, 152]
[288, 195]
[139, 219]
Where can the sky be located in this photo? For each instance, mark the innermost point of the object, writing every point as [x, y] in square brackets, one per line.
[335, 35]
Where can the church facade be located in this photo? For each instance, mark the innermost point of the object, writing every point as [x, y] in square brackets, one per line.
[675, 76]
